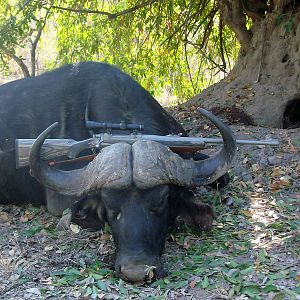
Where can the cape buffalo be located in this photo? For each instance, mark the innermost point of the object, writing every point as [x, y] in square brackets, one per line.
[138, 189]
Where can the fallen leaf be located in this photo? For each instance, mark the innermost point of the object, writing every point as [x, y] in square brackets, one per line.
[246, 213]
[4, 217]
[34, 291]
[75, 228]
[48, 248]
[187, 243]
[239, 232]
[247, 87]
[24, 219]
[262, 255]
[27, 216]
[298, 170]
[230, 245]
[192, 284]
[275, 186]
[245, 160]
[284, 180]
[105, 237]
[149, 270]
[48, 224]
[241, 248]
[242, 183]
[255, 167]
[277, 171]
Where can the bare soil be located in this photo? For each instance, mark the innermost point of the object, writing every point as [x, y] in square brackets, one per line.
[252, 252]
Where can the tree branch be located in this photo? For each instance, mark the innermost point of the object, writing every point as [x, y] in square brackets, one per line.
[35, 43]
[105, 13]
[222, 44]
[33, 50]
[86, 11]
[209, 26]
[189, 67]
[220, 67]
[233, 16]
[17, 59]
[182, 29]
[201, 17]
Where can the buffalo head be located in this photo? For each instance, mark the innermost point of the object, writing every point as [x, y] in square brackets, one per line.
[138, 189]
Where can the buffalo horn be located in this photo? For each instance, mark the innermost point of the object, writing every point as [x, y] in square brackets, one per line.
[208, 170]
[111, 168]
[155, 164]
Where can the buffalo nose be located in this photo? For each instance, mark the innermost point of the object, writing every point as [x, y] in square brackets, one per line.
[137, 273]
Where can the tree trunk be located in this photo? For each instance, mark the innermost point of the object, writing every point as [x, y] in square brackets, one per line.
[266, 78]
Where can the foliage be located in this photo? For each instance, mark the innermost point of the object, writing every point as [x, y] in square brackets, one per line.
[170, 46]
[21, 24]
[176, 47]
[161, 45]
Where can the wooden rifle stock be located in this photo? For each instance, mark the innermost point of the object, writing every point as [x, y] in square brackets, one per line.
[51, 149]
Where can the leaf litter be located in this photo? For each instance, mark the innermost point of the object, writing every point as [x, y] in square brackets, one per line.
[251, 253]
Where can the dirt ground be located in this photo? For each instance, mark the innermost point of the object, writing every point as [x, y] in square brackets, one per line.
[251, 253]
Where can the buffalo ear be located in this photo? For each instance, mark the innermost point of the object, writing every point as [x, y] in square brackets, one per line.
[197, 215]
[89, 213]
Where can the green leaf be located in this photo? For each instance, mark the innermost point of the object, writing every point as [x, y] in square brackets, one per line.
[279, 296]
[33, 230]
[262, 255]
[280, 275]
[72, 271]
[297, 290]
[270, 288]
[231, 293]
[247, 270]
[33, 209]
[88, 292]
[62, 281]
[66, 211]
[251, 291]
[94, 290]
[102, 286]
[291, 293]
[205, 282]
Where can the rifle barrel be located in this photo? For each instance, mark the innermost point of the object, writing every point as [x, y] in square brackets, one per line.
[243, 142]
[174, 140]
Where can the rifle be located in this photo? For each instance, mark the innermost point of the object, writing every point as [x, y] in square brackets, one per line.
[62, 148]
